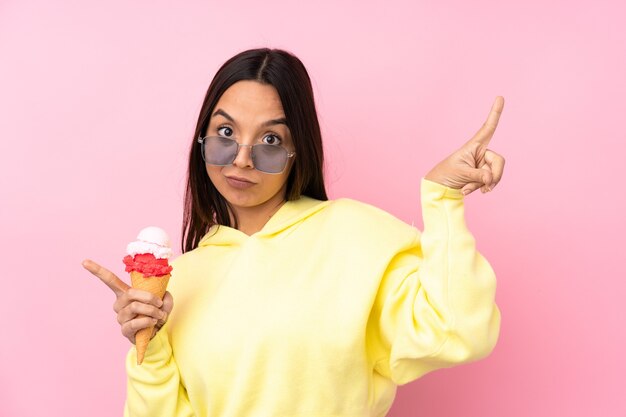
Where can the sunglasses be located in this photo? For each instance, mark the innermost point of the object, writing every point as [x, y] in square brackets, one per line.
[222, 151]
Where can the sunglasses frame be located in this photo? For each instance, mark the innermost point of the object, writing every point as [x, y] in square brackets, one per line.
[201, 140]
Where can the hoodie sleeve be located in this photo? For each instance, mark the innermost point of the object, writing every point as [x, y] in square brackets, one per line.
[154, 388]
[435, 306]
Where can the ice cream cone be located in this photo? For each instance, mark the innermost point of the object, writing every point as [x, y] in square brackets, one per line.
[149, 271]
[156, 285]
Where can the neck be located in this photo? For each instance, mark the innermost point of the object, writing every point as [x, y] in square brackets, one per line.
[252, 219]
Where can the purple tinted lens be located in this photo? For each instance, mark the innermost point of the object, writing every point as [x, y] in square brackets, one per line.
[219, 151]
[269, 158]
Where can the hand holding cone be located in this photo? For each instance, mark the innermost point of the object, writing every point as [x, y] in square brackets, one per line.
[127, 297]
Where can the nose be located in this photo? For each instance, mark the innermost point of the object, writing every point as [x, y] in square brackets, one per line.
[243, 159]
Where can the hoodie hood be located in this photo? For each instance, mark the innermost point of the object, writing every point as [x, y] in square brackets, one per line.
[290, 214]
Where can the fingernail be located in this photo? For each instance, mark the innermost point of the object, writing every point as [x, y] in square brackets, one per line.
[164, 316]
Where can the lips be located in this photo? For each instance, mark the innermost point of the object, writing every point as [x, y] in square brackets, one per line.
[239, 182]
[239, 179]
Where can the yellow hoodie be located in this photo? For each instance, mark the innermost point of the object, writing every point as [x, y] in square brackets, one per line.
[323, 312]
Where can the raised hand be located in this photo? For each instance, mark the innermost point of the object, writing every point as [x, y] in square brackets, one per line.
[473, 166]
[136, 309]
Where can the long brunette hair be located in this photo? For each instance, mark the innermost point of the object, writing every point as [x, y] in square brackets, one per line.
[204, 205]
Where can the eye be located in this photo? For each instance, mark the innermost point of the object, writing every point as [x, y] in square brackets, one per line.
[225, 131]
[271, 140]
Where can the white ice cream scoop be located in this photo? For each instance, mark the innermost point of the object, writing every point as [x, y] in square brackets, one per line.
[152, 240]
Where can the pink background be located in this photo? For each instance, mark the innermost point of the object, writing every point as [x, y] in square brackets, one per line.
[89, 91]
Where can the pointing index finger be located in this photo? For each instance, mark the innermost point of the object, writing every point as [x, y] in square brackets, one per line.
[109, 278]
[485, 133]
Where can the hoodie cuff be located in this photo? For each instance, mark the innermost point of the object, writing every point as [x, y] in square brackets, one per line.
[434, 191]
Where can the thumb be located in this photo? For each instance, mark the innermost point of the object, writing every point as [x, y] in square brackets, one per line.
[479, 175]
[168, 305]
[168, 302]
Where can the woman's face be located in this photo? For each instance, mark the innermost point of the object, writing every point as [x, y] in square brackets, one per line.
[251, 113]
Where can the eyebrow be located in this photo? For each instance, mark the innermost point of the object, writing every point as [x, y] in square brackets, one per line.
[272, 122]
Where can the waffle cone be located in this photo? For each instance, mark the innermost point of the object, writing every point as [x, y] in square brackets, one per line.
[156, 286]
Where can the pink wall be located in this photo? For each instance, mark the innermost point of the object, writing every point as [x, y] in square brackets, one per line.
[88, 91]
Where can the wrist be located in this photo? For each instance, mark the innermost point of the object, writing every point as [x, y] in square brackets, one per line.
[433, 176]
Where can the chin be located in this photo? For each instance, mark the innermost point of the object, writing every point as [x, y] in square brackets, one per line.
[239, 199]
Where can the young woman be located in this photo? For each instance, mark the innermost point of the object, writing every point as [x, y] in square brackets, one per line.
[288, 304]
